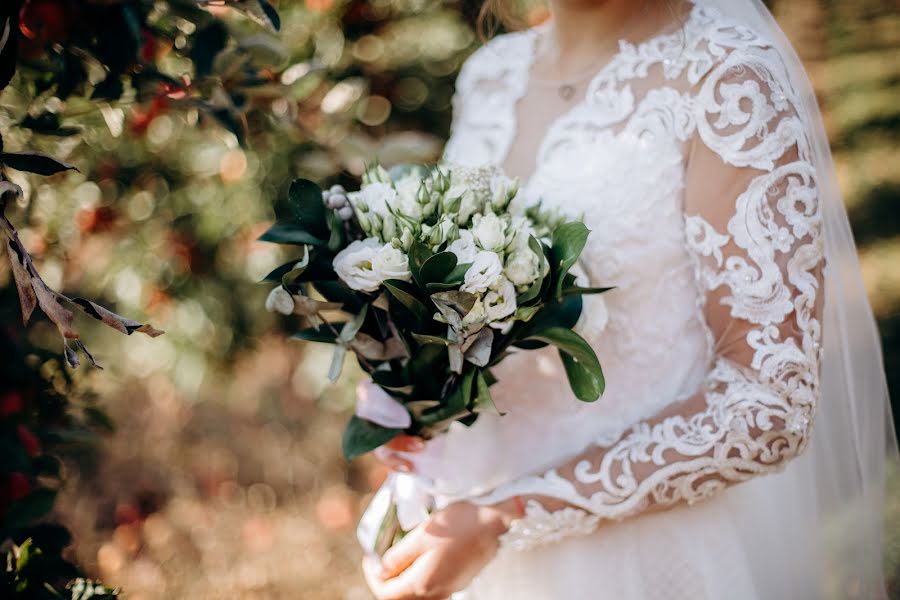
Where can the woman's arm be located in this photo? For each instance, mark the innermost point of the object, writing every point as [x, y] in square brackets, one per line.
[753, 226]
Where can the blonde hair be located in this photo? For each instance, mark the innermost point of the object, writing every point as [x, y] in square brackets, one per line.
[495, 14]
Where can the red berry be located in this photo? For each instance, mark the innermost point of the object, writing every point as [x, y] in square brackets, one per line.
[29, 440]
[19, 486]
[10, 404]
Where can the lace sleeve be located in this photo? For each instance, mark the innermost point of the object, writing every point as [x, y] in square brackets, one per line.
[752, 224]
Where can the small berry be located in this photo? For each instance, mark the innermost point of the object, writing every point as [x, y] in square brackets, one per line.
[345, 213]
[337, 189]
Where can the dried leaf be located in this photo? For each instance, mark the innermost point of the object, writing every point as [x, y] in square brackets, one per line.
[27, 297]
[117, 322]
[479, 352]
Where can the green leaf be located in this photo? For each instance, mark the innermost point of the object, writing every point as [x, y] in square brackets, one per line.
[568, 241]
[483, 400]
[306, 200]
[579, 360]
[322, 335]
[391, 381]
[334, 291]
[418, 254]
[404, 292]
[349, 330]
[30, 508]
[573, 290]
[337, 362]
[437, 267]
[431, 339]
[34, 162]
[363, 436]
[285, 232]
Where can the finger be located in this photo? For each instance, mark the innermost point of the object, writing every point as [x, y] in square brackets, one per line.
[406, 443]
[392, 460]
[411, 584]
[402, 554]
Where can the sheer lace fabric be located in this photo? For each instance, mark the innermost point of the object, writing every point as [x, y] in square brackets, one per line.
[688, 159]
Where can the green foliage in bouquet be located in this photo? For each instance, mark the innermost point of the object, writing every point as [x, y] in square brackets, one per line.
[440, 282]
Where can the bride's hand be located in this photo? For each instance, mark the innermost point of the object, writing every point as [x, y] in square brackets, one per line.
[387, 454]
[442, 555]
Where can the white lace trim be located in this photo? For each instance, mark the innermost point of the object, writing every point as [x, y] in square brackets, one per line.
[540, 527]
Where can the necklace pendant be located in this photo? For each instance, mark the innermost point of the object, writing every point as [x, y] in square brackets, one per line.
[566, 91]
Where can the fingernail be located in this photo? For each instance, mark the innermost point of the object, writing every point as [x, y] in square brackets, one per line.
[403, 468]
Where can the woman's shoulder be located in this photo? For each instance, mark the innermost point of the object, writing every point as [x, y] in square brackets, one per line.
[497, 57]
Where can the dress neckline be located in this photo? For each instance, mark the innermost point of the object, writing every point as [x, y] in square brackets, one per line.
[603, 73]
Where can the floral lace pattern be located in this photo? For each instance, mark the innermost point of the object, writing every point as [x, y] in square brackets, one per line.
[713, 102]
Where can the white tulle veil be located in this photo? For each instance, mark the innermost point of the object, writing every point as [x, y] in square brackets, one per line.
[826, 511]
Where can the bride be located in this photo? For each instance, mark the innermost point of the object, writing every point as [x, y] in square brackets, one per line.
[740, 447]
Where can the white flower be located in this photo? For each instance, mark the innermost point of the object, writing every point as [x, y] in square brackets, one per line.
[375, 405]
[503, 189]
[468, 204]
[519, 231]
[354, 265]
[376, 197]
[464, 247]
[404, 201]
[500, 303]
[489, 231]
[486, 269]
[522, 267]
[280, 300]
[391, 263]
[475, 317]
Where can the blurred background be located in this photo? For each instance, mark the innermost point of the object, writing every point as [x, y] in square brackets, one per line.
[217, 472]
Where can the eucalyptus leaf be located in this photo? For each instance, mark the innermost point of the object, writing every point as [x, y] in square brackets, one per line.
[321, 334]
[581, 364]
[431, 339]
[580, 291]
[484, 403]
[348, 331]
[405, 294]
[337, 362]
[568, 241]
[306, 200]
[361, 436]
[437, 267]
[285, 232]
[418, 254]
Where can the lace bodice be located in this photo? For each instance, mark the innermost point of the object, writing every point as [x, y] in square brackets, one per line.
[688, 159]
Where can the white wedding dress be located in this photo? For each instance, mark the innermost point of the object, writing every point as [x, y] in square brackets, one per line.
[688, 157]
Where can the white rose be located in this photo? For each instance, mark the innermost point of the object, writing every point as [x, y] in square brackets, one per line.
[464, 247]
[391, 263]
[522, 267]
[486, 269]
[489, 231]
[500, 303]
[280, 300]
[376, 197]
[354, 265]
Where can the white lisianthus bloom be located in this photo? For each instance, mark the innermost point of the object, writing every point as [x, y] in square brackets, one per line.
[486, 269]
[354, 265]
[519, 231]
[375, 405]
[390, 263]
[522, 267]
[280, 301]
[502, 191]
[500, 303]
[404, 201]
[489, 231]
[464, 247]
[376, 196]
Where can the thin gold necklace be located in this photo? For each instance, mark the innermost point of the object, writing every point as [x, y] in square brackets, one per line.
[566, 89]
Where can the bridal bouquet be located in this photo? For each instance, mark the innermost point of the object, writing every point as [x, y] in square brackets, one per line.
[436, 280]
